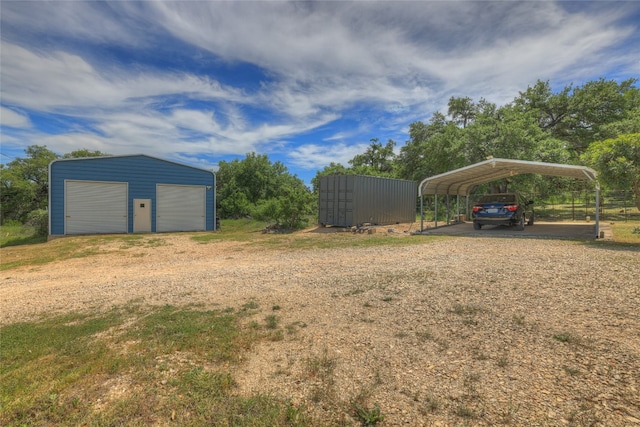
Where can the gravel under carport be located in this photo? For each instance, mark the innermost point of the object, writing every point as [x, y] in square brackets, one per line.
[557, 230]
[468, 330]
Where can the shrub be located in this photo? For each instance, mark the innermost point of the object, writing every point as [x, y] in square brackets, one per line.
[39, 220]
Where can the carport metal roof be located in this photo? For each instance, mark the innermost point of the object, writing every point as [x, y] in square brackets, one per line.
[462, 181]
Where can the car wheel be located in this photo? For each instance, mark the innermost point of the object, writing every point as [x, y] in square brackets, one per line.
[520, 224]
[531, 220]
[477, 226]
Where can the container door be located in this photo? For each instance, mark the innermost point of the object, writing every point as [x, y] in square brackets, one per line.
[142, 215]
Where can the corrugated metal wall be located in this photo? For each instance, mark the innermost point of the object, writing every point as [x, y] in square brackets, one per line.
[347, 200]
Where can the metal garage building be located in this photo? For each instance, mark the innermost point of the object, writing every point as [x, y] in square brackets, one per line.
[129, 194]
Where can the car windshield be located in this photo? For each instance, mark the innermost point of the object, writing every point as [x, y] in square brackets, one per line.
[498, 198]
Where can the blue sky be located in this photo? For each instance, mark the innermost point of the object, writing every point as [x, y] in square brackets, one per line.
[307, 83]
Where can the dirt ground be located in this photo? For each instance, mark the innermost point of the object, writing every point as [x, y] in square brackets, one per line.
[469, 330]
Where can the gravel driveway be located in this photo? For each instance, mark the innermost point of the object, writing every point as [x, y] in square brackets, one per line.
[454, 331]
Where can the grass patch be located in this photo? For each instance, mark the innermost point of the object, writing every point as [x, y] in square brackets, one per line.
[239, 230]
[431, 405]
[43, 253]
[368, 416]
[17, 234]
[465, 412]
[132, 366]
[250, 231]
[567, 338]
[20, 247]
[626, 232]
[466, 309]
[571, 371]
[18, 252]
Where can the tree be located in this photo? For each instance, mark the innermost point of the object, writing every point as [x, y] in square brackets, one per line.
[583, 114]
[377, 160]
[597, 104]
[77, 154]
[256, 187]
[433, 148]
[617, 161]
[291, 209]
[24, 182]
[462, 110]
[332, 169]
[549, 109]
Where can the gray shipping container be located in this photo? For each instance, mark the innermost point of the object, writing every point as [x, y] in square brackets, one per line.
[347, 200]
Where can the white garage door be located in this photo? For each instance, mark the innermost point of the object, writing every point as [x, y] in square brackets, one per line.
[180, 208]
[95, 207]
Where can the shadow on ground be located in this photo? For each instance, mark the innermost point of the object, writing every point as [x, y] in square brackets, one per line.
[552, 230]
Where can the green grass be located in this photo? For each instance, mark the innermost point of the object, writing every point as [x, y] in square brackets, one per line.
[238, 230]
[16, 234]
[567, 338]
[623, 232]
[21, 248]
[40, 252]
[133, 366]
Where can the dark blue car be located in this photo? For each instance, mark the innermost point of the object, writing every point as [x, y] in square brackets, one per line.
[502, 209]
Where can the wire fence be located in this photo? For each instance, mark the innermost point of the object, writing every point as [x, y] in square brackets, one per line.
[581, 206]
[563, 206]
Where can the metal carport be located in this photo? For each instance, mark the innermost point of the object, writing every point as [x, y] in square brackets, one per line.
[460, 182]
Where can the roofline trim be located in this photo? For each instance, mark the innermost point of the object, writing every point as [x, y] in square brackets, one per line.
[130, 155]
[589, 174]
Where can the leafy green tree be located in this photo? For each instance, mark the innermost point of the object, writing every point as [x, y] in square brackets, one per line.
[25, 183]
[332, 169]
[550, 110]
[433, 148]
[255, 186]
[617, 161]
[583, 114]
[77, 154]
[291, 209]
[629, 124]
[377, 160]
[598, 104]
[462, 110]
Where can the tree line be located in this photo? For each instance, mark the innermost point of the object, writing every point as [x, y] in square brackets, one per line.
[596, 124]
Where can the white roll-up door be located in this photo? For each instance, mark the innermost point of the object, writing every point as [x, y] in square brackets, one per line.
[95, 207]
[180, 208]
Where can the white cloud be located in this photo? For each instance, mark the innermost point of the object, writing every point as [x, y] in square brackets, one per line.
[365, 62]
[84, 20]
[61, 80]
[13, 118]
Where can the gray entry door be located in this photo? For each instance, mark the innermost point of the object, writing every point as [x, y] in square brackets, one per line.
[142, 215]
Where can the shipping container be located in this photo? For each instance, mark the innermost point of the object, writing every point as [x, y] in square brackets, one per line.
[348, 200]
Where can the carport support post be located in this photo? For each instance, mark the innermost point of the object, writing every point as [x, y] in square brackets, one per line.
[597, 210]
[435, 225]
[421, 213]
[448, 209]
[467, 211]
